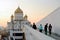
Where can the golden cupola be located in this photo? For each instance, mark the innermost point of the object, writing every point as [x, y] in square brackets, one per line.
[12, 16]
[25, 17]
[18, 10]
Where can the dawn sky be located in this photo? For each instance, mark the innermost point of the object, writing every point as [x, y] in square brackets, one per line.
[35, 9]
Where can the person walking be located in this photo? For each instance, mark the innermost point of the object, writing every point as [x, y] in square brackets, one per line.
[40, 28]
[50, 28]
[45, 28]
[34, 26]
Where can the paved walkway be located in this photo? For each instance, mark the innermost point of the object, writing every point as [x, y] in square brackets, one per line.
[53, 36]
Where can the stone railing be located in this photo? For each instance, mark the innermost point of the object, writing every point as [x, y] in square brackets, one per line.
[32, 34]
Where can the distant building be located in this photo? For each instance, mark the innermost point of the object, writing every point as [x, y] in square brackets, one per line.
[15, 26]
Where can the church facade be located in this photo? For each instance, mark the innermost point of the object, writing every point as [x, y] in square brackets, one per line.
[15, 26]
[17, 20]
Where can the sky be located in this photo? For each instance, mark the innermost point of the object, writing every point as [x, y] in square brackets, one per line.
[35, 9]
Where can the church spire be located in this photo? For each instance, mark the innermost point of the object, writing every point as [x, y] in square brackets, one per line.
[18, 10]
[12, 18]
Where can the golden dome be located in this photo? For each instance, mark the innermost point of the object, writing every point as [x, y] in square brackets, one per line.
[25, 17]
[12, 16]
[18, 10]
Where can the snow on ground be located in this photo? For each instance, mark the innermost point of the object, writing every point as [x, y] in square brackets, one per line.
[32, 34]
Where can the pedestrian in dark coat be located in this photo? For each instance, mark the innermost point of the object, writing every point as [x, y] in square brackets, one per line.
[50, 28]
[34, 26]
[45, 28]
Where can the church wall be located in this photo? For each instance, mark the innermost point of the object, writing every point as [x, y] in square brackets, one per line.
[9, 26]
[18, 16]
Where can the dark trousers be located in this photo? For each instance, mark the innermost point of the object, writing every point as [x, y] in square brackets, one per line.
[46, 32]
[40, 30]
[49, 31]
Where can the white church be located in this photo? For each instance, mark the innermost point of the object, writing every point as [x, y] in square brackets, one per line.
[19, 28]
[16, 25]
[17, 20]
